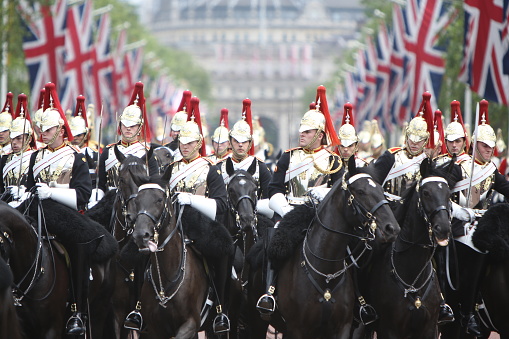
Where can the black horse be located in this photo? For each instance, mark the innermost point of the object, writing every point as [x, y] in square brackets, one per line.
[406, 292]
[314, 287]
[164, 157]
[9, 322]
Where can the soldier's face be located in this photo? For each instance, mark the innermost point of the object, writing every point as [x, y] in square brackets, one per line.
[188, 149]
[220, 147]
[415, 147]
[241, 148]
[47, 136]
[455, 146]
[78, 139]
[174, 134]
[484, 152]
[306, 137]
[129, 132]
[4, 136]
[347, 151]
[17, 143]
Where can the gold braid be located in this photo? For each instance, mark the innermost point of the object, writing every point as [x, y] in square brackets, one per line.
[329, 170]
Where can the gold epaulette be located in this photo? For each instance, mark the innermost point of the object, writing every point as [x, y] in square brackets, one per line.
[112, 144]
[395, 149]
[76, 149]
[292, 149]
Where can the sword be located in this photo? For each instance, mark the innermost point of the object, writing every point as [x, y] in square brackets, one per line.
[98, 152]
[23, 145]
[474, 149]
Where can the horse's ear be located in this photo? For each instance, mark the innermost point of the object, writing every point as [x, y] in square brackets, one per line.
[252, 168]
[148, 155]
[167, 173]
[450, 168]
[352, 168]
[119, 155]
[229, 166]
[425, 167]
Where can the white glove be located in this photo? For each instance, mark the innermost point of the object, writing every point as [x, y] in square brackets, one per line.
[97, 194]
[14, 203]
[279, 204]
[262, 206]
[463, 213]
[184, 198]
[44, 191]
[318, 193]
[17, 191]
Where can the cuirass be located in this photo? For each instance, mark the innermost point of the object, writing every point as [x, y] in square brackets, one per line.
[298, 186]
[13, 177]
[5, 149]
[112, 173]
[399, 184]
[195, 183]
[256, 174]
[59, 171]
[480, 193]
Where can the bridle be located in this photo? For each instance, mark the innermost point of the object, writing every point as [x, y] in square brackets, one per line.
[234, 206]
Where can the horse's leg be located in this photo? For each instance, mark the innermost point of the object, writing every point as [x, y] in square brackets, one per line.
[188, 330]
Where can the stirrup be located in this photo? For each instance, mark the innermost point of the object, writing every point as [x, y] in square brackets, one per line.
[75, 325]
[221, 324]
[471, 324]
[446, 315]
[266, 304]
[367, 314]
[134, 321]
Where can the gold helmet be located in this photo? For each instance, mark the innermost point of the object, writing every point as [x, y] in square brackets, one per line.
[53, 115]
[180, 118]
[6, 115]
[40, 110]
[221, 133]
[78, 122]
[21, 123]
[347, 134]
[133, 113]
[456, 129]
[258, 132]
[242, 131]
[485, 132]
[191, 130]
[500, 142]
[420, 127]
[377, 139]
[365, 134]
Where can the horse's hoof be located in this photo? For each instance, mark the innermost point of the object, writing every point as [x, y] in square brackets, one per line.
[221, 324]
[134, 321]
[471, 324]
[75, 325]
[446, 315]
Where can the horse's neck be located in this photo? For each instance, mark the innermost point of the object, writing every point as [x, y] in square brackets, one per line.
[22, 257]
[170, 258]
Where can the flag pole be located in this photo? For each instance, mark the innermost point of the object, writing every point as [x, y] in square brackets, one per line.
[5, 46]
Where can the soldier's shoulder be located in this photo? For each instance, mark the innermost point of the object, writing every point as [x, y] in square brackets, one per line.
[394, 149]
[293, 149]
[75, 148]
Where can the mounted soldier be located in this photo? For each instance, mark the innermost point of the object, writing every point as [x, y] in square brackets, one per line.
[178, 120]
[197, 182]
[348, 139]
[5, 125]
[298, 170]
[14, 166]
[133, 131]
[81, 133]
[220, 140]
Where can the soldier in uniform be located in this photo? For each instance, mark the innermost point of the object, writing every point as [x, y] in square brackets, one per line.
[81, 133]
[365, 140]
[60, 173]
[299, 169]
[178, 120]
[220, 142]
[197, 182]
[485, 180]
[377, 142]
[132, 132]
[14, 166]
[5, 125]
[348, 140]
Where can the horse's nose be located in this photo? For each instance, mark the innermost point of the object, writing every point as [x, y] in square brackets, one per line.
[391, 229]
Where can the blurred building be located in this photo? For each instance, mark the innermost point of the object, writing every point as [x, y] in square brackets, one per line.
[267, 50]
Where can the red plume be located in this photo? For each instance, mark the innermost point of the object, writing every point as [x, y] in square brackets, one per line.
[248, 117]
[502, 168]
[312, 106]
[427, 115]
[195, 112]
[223, 121]
[51, 100]
[456, 114]
[139, 97]
[41, 98]
[483, 112]
[8, 106]
[440, 128]
[348, 115]
[185, 103]
[324, 108]
[80, 108]
[23, 105]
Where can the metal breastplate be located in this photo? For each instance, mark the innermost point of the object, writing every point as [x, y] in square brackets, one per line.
[5, 149]
[59, 172]
[480, 194]
[256, 174]
[13, 177]
[298, 186]
[399, 184]
[112, 173]
[195, 183]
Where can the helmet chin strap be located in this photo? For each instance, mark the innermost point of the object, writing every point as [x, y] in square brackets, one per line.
[481, 158]
[307, 147]
[240, 157]
[57, 132]
[193, 152]
[133, 138]
[419, 151]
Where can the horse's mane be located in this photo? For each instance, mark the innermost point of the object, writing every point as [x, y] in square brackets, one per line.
[154, 179]
[134, 165]
[248, 175]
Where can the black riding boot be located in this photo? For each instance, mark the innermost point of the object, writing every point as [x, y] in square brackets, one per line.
[80, 276]
[134, 320]
[473, 269]
[446, 314]
[266, 303]
[221, 323]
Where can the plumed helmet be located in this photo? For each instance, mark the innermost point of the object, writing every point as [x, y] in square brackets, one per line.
[421, 127]
[191, 131]
[347, 134]
[242, 131]
[40, 107]
[133, 114]
[439, 131]
[377, 139]
[6, 115]
[500, 142]
[221, 133]
[180, 118]
[365, 134]
[258, 132]
[78, 122]
[53, 114]
[21, 123]
[485, 132]
[456, 128]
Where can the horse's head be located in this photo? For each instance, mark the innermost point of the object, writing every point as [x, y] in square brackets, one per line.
[434, 193]
[368, 201]
[242, 195]
[164, 157]
[152, 213]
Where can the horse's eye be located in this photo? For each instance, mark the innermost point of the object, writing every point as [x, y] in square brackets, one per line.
[426, 194]
[160, 200]
[361, 192]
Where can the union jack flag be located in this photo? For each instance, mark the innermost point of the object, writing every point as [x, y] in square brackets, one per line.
[117, 77]
[383, 53]
[365, 107]
[482, 66]
[44, 44]
[424, 20]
